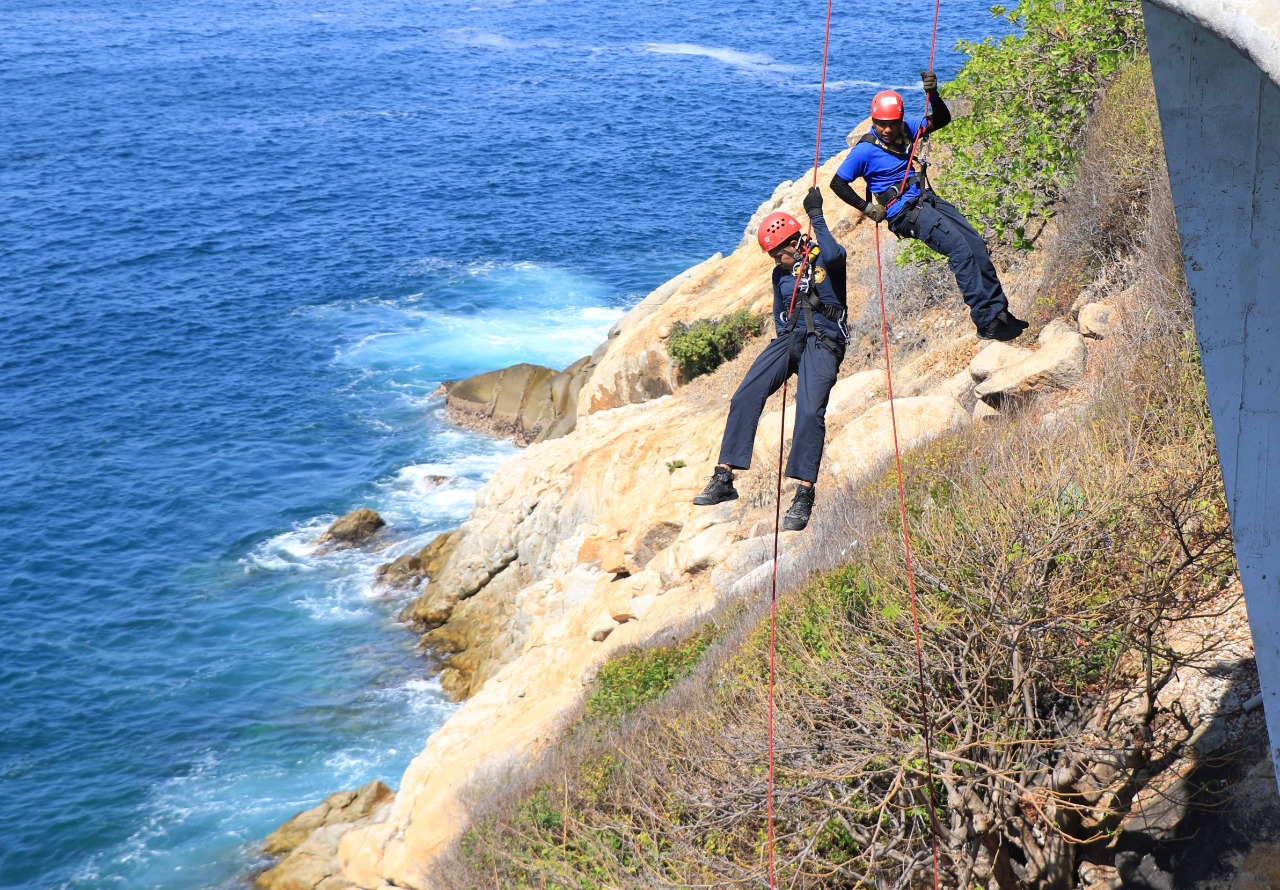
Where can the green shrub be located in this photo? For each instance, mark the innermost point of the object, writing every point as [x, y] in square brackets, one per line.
[1025, 98]
[629, 681]
[705, 345]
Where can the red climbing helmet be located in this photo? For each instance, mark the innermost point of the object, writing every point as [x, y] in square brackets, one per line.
[775, 229]
[886, 106]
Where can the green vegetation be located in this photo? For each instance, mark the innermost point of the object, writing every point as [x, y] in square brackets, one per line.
[631, 680]
[1023, 101]
[1110, 205]
[705, 345]
[676, 464]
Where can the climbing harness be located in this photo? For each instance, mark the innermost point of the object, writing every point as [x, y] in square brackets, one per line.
[808, 275]
[902, 497]
[918, 177]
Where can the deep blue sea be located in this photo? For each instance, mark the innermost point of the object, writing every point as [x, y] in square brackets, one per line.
[241, 243]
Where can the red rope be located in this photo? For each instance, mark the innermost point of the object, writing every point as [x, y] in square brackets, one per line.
[777, 511]
[933, 45]
[902, 493]
[911, 579]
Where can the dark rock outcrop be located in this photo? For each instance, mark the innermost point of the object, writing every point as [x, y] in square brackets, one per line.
[352, 530]
[411, 570]
[528, 403]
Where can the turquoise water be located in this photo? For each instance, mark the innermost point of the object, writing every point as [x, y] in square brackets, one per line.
[241, 244]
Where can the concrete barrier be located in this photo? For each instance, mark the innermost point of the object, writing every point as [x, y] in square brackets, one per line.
[1216, 65]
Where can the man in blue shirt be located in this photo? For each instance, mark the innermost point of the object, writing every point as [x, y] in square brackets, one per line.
[913, 211]
[810, 343]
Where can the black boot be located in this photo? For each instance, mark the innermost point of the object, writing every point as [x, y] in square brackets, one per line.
[1004, 327]
[719, 489]
[798, 516]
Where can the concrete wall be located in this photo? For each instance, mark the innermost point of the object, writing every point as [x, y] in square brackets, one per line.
[1216, 65]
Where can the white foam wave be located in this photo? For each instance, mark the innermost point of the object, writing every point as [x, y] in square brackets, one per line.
[290, 551]
[340, 601]
[480, 315]
[496, 339]
[732, 57]
[422, 697]
[480, 39]
[602, 313]
[431, 496]
[838, 85]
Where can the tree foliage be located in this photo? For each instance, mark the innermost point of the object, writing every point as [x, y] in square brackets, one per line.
[1025, 98]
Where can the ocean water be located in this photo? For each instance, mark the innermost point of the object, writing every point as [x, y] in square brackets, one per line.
[241, 244]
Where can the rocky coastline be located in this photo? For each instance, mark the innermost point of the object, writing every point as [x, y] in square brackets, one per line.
[586, 542]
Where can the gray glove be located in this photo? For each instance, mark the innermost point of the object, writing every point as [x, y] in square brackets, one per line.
[875, 211]
[929, 81]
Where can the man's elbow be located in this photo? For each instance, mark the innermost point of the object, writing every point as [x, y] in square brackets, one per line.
[842, 189]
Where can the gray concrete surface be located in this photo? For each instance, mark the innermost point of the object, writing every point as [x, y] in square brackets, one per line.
[1217, 65]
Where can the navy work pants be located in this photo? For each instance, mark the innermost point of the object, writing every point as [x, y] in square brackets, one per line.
[941, 226]
[816, 360]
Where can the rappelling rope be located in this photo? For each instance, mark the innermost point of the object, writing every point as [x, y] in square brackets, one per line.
[902, 497]
[902, 494]
[782, 434]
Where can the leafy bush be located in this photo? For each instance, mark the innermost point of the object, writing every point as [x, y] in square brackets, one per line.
[627, 682]
[1027, 97]
[705, 345]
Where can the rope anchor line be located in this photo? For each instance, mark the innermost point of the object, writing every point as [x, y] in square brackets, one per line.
[902, 496]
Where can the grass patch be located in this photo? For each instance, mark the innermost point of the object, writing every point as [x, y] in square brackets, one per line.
[629, 681]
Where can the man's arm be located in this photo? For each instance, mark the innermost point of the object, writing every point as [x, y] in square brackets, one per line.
[832, 251]
[843, 190]
[939, 114]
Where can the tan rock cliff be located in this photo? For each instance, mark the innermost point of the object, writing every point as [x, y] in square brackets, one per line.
[587, 543]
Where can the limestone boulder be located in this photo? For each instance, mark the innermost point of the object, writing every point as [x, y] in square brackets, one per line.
[994, 357]
[984, 413]
[339, 807]
[1058, 364]
[863, 445]
[308, 843]
[1098, 320]
[565, 389]
[958, 386]
[351, 530]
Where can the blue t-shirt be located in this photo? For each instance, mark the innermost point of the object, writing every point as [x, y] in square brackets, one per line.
[881, 169]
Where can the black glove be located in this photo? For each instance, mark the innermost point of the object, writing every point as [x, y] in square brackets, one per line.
[813, 201]
[875, 211]
[929, 81]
